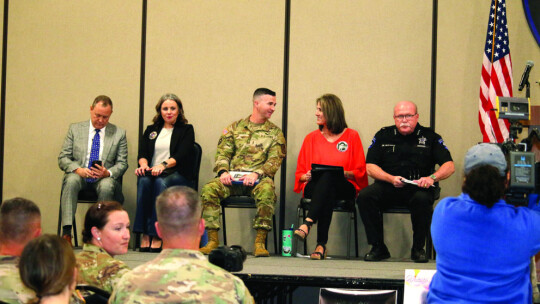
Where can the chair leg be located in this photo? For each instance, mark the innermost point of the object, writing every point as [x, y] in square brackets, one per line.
[305, 239]
[429, 243]
[224, 226]
[355, 218]
[137, 242]
[276, 248]
[59, 221]
[349, 237]
[295, 239]
[75, 232]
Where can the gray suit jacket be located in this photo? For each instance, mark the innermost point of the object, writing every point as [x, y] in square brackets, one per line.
[75, 148]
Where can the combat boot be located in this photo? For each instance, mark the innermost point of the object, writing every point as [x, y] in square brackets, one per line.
[260, 240]
[213, 241]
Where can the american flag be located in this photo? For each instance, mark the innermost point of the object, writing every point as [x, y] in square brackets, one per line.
[496, 77]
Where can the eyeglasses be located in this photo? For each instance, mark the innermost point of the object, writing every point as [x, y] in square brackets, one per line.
[402, 117]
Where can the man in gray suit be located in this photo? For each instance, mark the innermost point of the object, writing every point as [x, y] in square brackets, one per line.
[86, 143]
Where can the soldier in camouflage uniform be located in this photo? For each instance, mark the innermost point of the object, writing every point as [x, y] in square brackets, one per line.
[105, 234]
[180, 273]
[98, 268]
[12, 289]
[255, 145]
[20, 222]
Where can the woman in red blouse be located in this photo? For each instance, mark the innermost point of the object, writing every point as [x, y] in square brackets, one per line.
[336, 145]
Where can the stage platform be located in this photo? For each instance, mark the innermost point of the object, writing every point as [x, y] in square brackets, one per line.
[278, 279]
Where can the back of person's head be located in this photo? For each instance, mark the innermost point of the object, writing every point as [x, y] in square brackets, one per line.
[178, 210]
[262, 91]
[20, 220]
[333, 112]
[98, 216]
[47, 265]
[485, 174]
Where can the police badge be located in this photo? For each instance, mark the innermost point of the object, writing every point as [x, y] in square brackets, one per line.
[152, 135]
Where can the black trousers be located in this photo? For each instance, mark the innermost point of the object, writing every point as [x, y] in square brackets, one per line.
[323, 194]
[379, 196]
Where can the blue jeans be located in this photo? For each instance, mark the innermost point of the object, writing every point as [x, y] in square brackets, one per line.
[148, 189]
[204, 239]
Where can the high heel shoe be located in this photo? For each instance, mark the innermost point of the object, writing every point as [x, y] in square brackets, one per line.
[146, 248]
[301, 233]
[316, 255]
[156, 249]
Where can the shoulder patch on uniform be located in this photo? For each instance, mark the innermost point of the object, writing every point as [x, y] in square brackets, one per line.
[372, 142]
[441, 141]
[225, 131]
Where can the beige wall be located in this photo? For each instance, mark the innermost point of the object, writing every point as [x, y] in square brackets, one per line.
[213, 54]
[61, 55]
[1, 29]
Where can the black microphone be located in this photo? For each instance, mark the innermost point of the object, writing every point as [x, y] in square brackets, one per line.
[525, 76]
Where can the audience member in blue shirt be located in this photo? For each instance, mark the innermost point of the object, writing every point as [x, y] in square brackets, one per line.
[484, 245]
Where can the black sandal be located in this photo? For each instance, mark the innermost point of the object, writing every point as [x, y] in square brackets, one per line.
[315, 255]
[302, 234]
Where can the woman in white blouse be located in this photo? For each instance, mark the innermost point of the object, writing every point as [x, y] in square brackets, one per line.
[164, 151]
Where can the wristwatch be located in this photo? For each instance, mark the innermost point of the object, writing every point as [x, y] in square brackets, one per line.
[433, 177]
[164, 163]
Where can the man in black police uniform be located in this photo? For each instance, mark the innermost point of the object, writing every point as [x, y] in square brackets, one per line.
[404, 151]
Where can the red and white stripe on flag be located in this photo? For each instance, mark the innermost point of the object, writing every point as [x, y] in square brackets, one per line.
[496, 79]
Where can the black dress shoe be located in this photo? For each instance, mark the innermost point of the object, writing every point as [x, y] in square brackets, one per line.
[377, 253]
[419, 255]
[144, 249]
[155, 249]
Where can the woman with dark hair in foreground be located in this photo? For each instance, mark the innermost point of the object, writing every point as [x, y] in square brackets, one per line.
[48, 267]
[484, 245]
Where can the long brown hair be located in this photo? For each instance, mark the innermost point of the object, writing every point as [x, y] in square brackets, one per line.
[333, 112]
[158, 120]
[47, 265]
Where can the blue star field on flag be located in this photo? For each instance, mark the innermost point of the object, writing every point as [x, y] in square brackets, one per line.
[497, 42]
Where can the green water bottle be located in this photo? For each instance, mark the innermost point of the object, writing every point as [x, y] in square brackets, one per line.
[286, 249]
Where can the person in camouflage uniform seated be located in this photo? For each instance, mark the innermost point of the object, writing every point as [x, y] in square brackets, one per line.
[180, 273]
[20, 222]
[255, 145]
[105, 234]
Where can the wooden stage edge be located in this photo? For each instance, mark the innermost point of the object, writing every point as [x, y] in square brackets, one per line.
[282, 275]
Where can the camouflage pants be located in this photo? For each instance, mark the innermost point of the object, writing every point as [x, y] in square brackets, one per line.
[264, 195]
